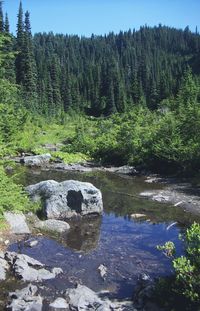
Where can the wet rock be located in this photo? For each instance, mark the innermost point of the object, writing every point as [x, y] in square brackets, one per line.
[25, 299]
[31, 243]
[147, 194]
[136, 216]
[37, 160]
[66, 199]
[59, 304]
[84, 299]
[126, 170]
[103, 271]
[29, 269]
[161, 198]
[144, 291]
[17, 223]
[53, 225]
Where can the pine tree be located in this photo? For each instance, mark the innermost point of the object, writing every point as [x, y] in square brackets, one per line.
[7, 25]
[1, 17]
[19, 47]
[30, 78]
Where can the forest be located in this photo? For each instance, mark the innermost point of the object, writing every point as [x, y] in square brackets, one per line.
[131, 97]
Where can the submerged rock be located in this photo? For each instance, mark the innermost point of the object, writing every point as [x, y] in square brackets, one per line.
[66, 199]
[37, 160]
[53, 225]
[17, 223]
[25, 299]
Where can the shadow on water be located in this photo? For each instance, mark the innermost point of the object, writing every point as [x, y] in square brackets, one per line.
[126, 246]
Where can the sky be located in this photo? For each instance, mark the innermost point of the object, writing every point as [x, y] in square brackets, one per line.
[84, 17]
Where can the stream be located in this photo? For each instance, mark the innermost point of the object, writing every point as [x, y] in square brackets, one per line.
[126, 246]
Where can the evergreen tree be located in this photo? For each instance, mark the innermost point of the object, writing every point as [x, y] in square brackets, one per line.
[7, 25]
[1, 17]
[19, 47]
[29, 66]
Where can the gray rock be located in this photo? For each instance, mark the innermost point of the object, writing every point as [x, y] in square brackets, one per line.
[31, 243]
[29, 269]
[147, 194]
[59, 304]
[53, 225]
[25, 300]
[2, 273]
[161, 198]
[103, 271]
[124, 170]
[37, 160]
[84, 299]
[66, 199]
[17, 223]
[4, 266]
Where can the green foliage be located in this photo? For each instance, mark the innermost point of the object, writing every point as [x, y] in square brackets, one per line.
[187, 268]
[69, 158]
[168, 248]
[12, 196]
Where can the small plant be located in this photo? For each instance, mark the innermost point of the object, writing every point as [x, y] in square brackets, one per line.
[168, 249]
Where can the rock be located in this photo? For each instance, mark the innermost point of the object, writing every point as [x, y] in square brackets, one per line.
[66, 199]
[125, 170]
[3, 269]
[25, 299]
[161, 198]
[138, 215]
[144, 290]
[103, 271]
[84, 299]
[37, 160]
[31, 243]
[53, 225]
[59, 304]
[17, 223]
[29, 269]
[147, 194]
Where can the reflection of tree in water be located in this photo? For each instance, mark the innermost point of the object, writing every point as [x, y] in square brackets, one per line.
[84, 234]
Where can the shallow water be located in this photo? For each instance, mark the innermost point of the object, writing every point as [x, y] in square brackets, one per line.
[125, 246]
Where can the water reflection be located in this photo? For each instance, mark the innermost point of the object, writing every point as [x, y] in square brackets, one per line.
[84, 234]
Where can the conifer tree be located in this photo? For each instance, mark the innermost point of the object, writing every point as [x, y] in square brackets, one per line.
[30, 78]
[19, 47]
[1, 17]
[7, 25]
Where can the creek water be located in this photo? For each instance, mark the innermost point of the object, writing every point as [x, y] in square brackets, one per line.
[126, 246]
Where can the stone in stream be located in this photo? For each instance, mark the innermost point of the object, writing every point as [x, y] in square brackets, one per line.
[25, 299]
[3, 269]
[36, 160]
[84, 299]
[53, 225]
[59, 304]
[66, 199]
[17, 223]
[29, 269]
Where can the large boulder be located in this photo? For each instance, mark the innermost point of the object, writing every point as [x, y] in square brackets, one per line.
[66, 199]
[37, 160]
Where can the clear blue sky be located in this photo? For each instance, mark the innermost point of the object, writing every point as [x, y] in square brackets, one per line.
[84, 17]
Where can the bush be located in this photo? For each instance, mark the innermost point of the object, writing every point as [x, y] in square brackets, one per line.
[187, 268]
[12, 196]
